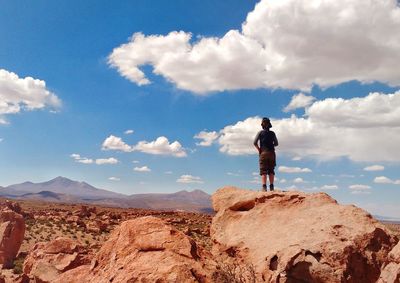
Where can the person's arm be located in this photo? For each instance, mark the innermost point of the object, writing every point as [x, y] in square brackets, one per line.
[256, 142]
[275, 140]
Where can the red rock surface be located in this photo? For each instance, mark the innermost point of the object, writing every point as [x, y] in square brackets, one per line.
[391, 271]
[146, 250]
[46, 261]
[298, 237]
[12, 230]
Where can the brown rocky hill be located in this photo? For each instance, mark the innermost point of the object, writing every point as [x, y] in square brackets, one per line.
[254, 237]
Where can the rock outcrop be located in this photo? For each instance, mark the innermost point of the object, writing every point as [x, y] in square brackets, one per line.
[298, 237]
[146, 250]
[12, 231]
[391, 271]
[46, 261]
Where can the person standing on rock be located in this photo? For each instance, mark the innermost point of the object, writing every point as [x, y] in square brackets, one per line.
[266, 151]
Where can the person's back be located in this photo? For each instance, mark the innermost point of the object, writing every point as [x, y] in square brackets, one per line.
[267, 140]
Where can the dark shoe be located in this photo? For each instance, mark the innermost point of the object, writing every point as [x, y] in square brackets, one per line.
[264, 188]
[271, 187]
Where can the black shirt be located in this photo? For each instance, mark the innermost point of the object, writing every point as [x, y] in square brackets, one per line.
[268, 140]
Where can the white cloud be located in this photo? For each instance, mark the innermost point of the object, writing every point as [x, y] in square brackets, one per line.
[285, 169]
[115, 143]
[110, 160]
[135, 161]
[160, 146]
[23, 94]
[296, 158]
[360, 192]
[298, 180]
[386, 180]
[100, 161]
[85, 160]
[329, 187]
[207, 138]
[114, 179]
[186, 179]
[128, 132]
[359, 187]
[299, 100]
[282, 181]
[282, 46]
[80, 159]
[168, 172]
[331, 128]
[142, 169]
[374, 168]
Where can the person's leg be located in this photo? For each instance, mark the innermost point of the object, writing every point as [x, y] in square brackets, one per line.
[271, 177]
[263, 171]
[264, 182]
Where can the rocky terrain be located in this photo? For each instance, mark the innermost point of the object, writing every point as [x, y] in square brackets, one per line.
[253, 237]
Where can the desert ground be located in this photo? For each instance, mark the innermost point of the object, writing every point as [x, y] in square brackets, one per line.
[91, 225]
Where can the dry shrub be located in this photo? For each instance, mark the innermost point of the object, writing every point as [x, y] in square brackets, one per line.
[235, 273]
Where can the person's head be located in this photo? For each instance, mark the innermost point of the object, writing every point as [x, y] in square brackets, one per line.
[266, 123]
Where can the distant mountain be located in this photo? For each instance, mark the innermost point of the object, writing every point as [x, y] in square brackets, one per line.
[64, 190]
[50, 196]
[60, 185]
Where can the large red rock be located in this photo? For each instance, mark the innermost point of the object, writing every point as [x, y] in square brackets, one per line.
[12, 231]
[391, 271]
[145, 250]
[46, 261]
[298, 237]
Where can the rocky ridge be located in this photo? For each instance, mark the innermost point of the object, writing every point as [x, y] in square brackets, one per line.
[254, 237]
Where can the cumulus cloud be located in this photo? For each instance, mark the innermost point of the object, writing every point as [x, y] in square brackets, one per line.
[329, 187]
[23, 94]
[128, 132]
[99, 161]
[207, 138]
[299, 101]
[115, 143]
[363, 129]
[374, 168]
[360, 192]
[281, 46]
[161, 146]
[359, 187]
[187, 179]
[80, 159]
[286, 169]
[114, 179]
[110, 160]
[142, 169]
[386, 180]
[298, 180]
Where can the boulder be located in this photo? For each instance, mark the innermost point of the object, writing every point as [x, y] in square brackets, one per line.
[46, 261]
[298, 237]
[146, 250]
[12, 231]
[391, 271]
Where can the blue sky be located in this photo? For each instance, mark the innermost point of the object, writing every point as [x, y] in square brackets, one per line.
[191, 80]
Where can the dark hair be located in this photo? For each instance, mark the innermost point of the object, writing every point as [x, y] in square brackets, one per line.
[266, 123]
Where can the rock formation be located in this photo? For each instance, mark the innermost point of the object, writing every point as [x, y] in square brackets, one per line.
[146, 250]
[299, 237]
[12, 231]
[391, 271]
[46, 261]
